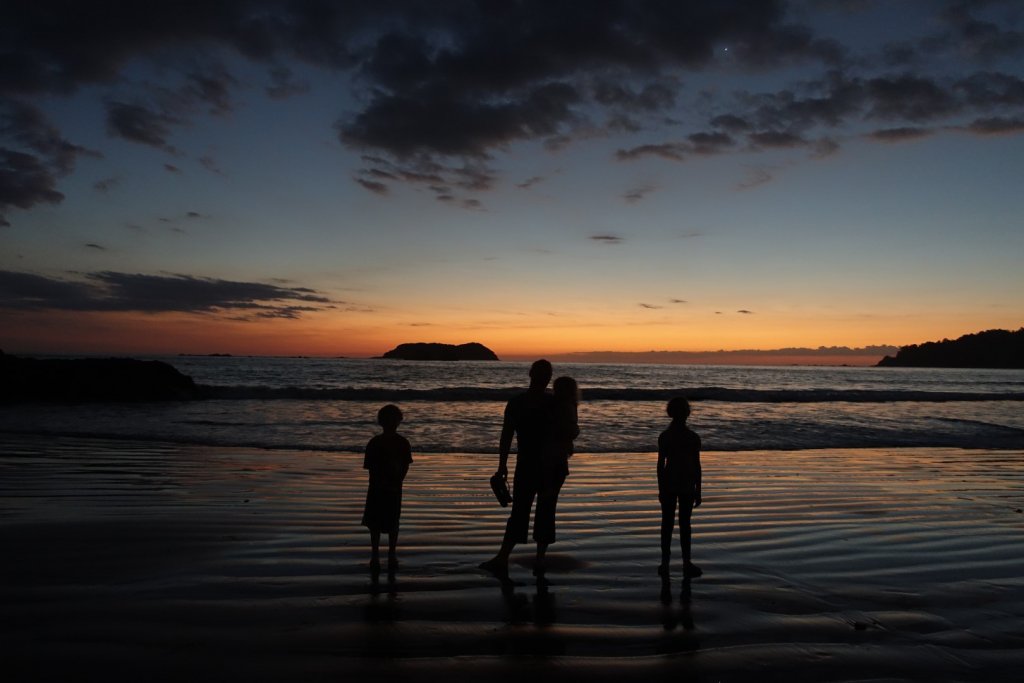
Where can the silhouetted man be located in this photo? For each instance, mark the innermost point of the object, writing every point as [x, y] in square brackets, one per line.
[528, 416]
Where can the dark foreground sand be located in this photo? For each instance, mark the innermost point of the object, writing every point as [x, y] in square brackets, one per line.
[140, 561]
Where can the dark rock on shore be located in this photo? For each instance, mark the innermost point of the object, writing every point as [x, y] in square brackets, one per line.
[91, 379]
[434, 351]
[989, 349]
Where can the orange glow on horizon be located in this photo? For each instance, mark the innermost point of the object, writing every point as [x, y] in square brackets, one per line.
[370, 336]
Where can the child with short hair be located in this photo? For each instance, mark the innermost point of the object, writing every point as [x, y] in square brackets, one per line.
[679, 481]
[388, 456]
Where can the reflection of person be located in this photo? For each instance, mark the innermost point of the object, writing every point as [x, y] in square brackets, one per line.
[679, 482]
[562, 430]
[388, 456]
[527, 417]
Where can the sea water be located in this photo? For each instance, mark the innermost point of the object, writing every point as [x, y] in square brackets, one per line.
[330, 404]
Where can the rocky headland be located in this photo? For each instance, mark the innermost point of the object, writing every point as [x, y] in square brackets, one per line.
[436, 351]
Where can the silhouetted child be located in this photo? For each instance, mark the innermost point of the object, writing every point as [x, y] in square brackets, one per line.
[678, 483]
[388, 456]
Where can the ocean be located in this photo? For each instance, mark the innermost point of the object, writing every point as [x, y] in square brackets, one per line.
[318, 404]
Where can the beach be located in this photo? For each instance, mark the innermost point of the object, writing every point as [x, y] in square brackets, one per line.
[136, 560]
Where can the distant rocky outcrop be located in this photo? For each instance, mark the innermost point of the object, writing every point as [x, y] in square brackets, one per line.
[434, 351]
[91, 379]
[989, 349]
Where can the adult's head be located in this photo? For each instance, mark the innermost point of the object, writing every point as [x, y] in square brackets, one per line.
[678, 408]
[540, 374]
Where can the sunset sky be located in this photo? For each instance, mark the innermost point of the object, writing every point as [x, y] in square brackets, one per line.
[329, 178]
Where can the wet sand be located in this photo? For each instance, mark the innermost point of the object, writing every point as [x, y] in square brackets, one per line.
[143, 561]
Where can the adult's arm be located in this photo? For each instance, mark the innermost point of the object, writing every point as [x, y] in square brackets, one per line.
[508, 430]
[662, 455]
[696, 497]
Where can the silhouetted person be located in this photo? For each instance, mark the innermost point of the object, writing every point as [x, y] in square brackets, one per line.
[388, 456]
[679, 478]
[528, 417]
[563, 428]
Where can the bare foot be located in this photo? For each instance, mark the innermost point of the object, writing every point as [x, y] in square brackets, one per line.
[496, 566]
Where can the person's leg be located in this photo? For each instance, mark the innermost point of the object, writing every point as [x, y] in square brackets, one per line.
[685, 533]
[668, 513]
[685, 511]
[544, 518]
[374, 549]
[393, 548]
[518, 526]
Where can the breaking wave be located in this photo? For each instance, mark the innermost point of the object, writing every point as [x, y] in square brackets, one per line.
[477, 394]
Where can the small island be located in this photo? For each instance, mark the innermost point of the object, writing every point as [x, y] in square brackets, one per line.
[1001, 349]
[436, 351]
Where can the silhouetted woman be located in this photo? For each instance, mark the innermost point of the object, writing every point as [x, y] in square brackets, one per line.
[558, 448]
[679, 478]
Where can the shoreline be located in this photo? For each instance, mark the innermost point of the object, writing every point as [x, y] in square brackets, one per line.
[164, 561]
[15, 434]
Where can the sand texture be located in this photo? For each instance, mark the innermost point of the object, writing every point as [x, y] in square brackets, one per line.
[143, 561]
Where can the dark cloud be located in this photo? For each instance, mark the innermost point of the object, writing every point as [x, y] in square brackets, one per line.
[649, 306]
[823, 147]
[673, 151]
[211, 87]
[110, 291]
[805, 119]
[899, 54]
[194, 215]
[210, 164]
[140, 124]
[776, 139]
[637, 193]
[756, 176]
[900, 134]
[374, 186]
[441, 180]
[533, 70]
[448, 122]
[607, 239]
[709, 143]
[283, 84]
[908, 98]
[745, 311]
[530, 182]
[678, 301]
[702, 144]
[988, 89]
[997, 125]
[731, 122]
[980, 37]
[106, 184]
[24, 182]
[93, 245]
[33, 156]
[443, 86]
[171, 168]
[651, 97]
